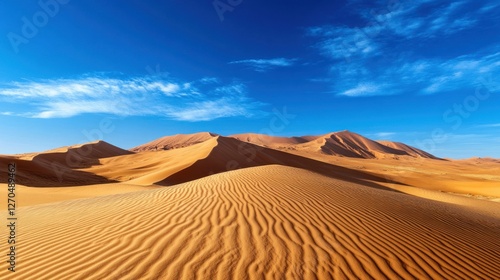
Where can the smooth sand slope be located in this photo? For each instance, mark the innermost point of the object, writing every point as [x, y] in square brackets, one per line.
[27, 196]
[475, 177]
[349, 144]
[271, 222]
[412, 151]
[272, 141]
[174, 142]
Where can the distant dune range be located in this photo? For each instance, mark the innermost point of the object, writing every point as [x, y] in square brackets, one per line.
[250, 206]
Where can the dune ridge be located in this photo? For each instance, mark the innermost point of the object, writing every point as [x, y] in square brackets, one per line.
[349, 144]
[271, 141]
[412, 151]
[174, 142]
[269, 222]
[60, 167]
[342, 143]
[216, 155]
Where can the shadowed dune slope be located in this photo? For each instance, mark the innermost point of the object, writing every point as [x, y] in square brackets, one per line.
[47, 173]
[269, 222]
[59, 167]
[97, 149]
[81, 155]
[174, 142]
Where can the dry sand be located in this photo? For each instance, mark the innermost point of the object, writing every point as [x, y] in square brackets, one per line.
[270, 222]
[337, 206]
[174, 142]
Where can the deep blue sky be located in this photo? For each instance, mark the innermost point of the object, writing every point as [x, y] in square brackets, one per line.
[420, 72]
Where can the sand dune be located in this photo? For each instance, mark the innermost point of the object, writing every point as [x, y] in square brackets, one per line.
[349, 144]
[150, 167]
[465, 177]
[343, 143]
[271, 141]
[27, 196]
[174, 142]
[338, 206]
[59, 167]
[216, 155]
[412, 151]
[270, 222]
[47, 173]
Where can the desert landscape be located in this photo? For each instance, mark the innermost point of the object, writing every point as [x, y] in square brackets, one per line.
[233, 139]
[252, 206]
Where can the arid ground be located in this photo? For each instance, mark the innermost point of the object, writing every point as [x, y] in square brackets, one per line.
[249, 206]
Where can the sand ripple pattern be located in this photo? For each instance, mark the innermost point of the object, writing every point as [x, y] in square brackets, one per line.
[270, 222]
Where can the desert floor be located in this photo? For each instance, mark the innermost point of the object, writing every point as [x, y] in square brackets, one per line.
[207, 210]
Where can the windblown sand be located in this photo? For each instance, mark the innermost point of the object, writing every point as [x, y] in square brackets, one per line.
[182, 214]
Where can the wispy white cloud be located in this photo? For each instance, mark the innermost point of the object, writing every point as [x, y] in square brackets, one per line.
[344, 42]
[263, 65]
[421, 76]
[362, 90]
[490, 125]
[202, 100]
[384, 135]
[462, 72]
[393, 22]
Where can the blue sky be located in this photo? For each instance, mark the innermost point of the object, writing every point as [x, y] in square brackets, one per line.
[420, 72]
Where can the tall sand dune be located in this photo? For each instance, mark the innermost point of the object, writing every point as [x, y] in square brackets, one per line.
[343, 143]
[216, 155]
[269, 222]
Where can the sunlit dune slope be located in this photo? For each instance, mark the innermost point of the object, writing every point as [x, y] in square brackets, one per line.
[271, 141]
[343, 143]
[349, 144]
[408, 149]
[269, 222]
[174, 142]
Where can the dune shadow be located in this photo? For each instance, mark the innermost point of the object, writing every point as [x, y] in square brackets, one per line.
[45, 173]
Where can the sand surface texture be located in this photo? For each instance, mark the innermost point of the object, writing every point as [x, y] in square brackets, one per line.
[337, 206]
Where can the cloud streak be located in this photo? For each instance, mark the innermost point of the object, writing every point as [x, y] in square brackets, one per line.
[490, 125]
[135, 96]
[423, 76]
[378, 57]
[397, 21]
[263, 65]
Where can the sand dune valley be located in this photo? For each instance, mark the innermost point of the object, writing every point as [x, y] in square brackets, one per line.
[250, 206]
